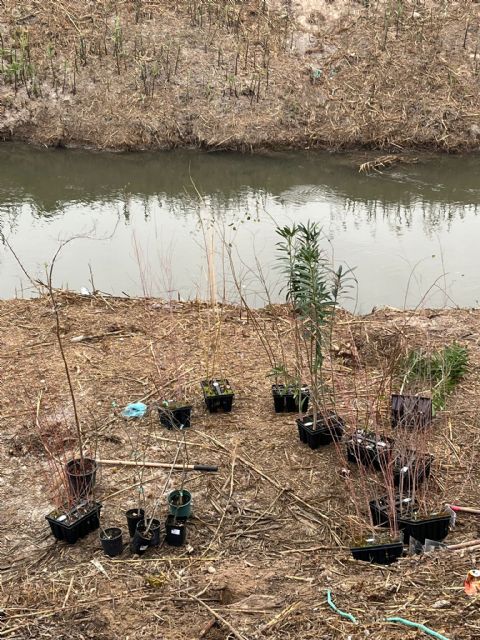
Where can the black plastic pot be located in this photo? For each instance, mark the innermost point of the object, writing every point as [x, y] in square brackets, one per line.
[153, 527]
[378, 553]
[381, 509]
[286, 399]
[81, 476]
[112, 542]
[411, 412]
[328, 429]
[369, 449]
[411, 469]
[434, 527]
[133, 518]
[178, 418]
[175, 531]
[141, 540]
[75, 524]
[218, 395]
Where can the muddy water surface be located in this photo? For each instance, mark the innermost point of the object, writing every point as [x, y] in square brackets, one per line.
[143, 222]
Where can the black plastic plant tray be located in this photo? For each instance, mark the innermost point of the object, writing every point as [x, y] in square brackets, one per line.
[218, 401]
[369, 449]
[328, 429]
[70, 533]
[380, 510]
[411, 469]
[178, 418]
[285, 398]
[382, 553]
[434, 527]
[411, 412]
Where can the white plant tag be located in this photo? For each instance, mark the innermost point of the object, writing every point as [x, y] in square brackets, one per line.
[175, 532]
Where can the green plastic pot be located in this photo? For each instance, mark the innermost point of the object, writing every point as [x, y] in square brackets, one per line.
[184, 509]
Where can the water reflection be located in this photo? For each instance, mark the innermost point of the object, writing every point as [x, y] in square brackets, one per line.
[383, 223]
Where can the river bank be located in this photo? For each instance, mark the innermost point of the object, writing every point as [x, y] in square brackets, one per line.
[243, 76]
[271, 529]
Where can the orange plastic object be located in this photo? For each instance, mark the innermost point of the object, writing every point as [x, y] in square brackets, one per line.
[472, 582]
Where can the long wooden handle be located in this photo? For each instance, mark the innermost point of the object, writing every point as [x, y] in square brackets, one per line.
[159, 465]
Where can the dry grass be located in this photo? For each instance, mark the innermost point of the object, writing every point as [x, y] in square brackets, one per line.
[242, 75]
[255, 521]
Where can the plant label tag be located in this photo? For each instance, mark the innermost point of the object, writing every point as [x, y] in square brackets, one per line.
[175, 532]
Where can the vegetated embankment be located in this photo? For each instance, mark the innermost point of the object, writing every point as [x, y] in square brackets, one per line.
[241, 74]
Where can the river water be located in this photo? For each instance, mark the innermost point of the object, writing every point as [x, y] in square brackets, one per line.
[142, 223]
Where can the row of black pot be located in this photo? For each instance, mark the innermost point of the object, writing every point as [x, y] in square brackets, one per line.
[407, 411]
[145, 533]
[69, 525]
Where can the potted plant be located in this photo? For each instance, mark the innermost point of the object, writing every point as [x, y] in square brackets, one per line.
[112, 541]
[175, 412]
[175, 530]
[437, 373]
[313, 291]
[289, 394]
[369, 448]
[378, 548]
[218, 394]
[80, 470]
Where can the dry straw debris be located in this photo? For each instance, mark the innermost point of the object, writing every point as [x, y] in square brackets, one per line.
[271, 529]
[241, 74]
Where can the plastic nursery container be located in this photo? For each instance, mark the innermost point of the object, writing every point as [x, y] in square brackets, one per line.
[81, 477]
[141, 541]
[411, 412]
[180, 503]
[411, 469]
[434, 527]
[368, 448]
[218, 395]
[286, 398]
[378, 552]
[381, 510]
[112, 541]
[75, 524]
[133, 518]
[328, 429]
[175, 418]
[175, 531]
[153, 525]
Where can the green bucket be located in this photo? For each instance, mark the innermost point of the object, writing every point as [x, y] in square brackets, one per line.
[180, 503]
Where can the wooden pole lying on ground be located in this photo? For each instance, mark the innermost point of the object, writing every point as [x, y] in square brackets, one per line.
[454, 507]
[160, 465]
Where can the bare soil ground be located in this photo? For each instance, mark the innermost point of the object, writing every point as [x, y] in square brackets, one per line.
[270, 531]
[243, 75]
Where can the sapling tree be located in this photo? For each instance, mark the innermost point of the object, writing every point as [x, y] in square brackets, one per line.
[313, 289]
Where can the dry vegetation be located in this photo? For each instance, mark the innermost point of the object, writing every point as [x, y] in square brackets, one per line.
[270, 529]
[241, 74]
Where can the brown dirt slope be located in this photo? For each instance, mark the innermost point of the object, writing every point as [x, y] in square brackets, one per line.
[241, 74]
[268, 535]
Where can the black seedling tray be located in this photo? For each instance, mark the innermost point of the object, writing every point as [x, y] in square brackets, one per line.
[411, 412]
[368, 448]
[285, 398]
[385, 553]
[72, 532]
[328, 429]
[220, 401]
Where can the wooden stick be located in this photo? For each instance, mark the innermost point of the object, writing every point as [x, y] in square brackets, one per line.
[454, 507]
[160, 465]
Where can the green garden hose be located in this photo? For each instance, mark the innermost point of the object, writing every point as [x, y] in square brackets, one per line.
[416, 625]
[344, 614]
[408, 623]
